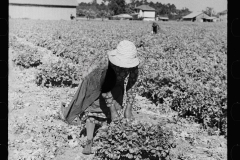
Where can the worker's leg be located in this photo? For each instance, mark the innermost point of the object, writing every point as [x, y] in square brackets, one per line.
[114, 113]
[90, 130]
[128, 112]
[130, 101]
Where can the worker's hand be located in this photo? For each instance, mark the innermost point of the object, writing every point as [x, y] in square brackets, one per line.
[117, 105]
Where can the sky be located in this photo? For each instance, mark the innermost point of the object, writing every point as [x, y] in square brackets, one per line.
[192, 5]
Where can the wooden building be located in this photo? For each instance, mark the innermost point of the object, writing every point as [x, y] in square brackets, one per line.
[195, 17]
[162, 18]
[223, 16]
[210, 19]
[122, 17]
[43, 9]
[145, 12]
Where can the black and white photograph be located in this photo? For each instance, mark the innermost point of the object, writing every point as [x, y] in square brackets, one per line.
[117, 79]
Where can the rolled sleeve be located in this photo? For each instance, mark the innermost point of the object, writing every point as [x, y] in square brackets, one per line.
[131, 85]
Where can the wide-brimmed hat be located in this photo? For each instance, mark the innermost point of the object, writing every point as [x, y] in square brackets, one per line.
[125, 55]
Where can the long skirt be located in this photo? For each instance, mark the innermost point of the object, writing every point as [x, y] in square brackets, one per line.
[98, 112]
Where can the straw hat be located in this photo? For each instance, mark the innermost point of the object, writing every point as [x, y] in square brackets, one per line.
[125, 55]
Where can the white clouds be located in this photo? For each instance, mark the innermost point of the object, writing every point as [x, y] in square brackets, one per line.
[193, 5]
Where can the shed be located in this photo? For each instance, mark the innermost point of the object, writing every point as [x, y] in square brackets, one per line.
[210, 19]
[195, 16]
[223, 15]
[146, 12]
[43, 9]
[163, 18]
[134, 16]
[123, 16]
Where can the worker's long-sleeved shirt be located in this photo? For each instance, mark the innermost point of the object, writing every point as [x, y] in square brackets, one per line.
[121, 75]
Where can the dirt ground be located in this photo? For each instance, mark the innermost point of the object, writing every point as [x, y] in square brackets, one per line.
[37, 132]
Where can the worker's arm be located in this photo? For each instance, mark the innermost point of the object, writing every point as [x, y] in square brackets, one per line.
[108, 98]
[131, 87]
[110, 101]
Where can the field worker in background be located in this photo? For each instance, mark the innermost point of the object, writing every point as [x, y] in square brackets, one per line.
[72, 17]
[99, 98]
[155, 28]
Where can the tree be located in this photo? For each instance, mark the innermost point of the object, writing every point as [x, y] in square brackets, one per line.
[114, 7]
[80, 12]
[129, 8]
[144, 2]
[117, 6]
[94, 2]
[103, 14]
[151, 4]
[102, 6]
[209, 11]
[90, 14]
[132, 3]
[138, 3]
[184, 12]
[110, 13]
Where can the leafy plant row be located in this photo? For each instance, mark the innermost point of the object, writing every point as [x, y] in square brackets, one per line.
[191, 85]
[71, 42]
[26, 56]
[134, 140]
[64, 72]
[58, 73]
[184, 68]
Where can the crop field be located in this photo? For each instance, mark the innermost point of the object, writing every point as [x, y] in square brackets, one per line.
[183, 80]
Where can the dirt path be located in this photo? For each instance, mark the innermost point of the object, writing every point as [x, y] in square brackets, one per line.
[36, 131]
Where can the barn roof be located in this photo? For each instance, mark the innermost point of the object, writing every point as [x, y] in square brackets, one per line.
[145, 8]
[163, 17]
[223, 12]
[193, 14]
[210, 18]
[46, 2]
[123, 16]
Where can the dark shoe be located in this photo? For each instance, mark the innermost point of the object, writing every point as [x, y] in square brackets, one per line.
[88, 147]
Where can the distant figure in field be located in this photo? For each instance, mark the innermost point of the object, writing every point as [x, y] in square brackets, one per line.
[72, 17]
[155, 28]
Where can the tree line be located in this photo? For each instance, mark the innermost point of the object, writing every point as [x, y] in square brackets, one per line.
[109, 8]
[114, 7]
